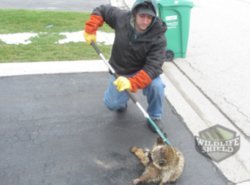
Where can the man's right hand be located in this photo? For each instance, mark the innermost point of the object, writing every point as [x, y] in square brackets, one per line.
[89, 37]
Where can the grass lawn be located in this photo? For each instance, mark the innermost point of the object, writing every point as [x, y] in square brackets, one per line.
[48, 24]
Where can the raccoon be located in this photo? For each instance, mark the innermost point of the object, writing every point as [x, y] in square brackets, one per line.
[163, 163]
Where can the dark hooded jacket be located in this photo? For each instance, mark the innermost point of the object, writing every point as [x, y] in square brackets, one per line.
[131, 52]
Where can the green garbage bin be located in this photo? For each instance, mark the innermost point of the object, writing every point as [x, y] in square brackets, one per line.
[176, 14]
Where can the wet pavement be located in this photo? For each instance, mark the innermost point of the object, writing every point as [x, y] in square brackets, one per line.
[54, 129]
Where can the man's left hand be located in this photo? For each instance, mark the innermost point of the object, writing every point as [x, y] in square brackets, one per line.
[122, 83]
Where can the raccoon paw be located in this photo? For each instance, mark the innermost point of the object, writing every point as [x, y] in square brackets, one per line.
[133, 149]
[136, 181]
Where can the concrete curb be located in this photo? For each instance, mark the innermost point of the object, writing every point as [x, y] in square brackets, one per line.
[32, 68]
[199, 113]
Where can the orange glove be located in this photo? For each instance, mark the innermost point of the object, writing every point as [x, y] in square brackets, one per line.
[139, 81]
[91, 27]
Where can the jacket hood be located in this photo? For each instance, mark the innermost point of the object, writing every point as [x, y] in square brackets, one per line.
[139, 2]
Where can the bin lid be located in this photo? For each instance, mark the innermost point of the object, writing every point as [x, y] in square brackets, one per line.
[176, 3]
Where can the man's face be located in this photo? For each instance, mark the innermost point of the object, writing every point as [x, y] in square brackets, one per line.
[142, 21]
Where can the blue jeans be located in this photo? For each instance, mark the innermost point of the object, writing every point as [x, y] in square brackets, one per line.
[154, 92]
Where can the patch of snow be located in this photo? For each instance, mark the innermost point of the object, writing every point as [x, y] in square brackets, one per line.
[102, 37]
[123, 4]
[17, 38]
[71, 37]
[24, 38]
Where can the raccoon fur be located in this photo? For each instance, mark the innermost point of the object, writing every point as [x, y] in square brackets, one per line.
[163, 163]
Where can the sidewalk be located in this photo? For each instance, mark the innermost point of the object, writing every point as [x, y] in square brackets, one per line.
[62, 5]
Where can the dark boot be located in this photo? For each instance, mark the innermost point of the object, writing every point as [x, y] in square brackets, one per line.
[123, 109]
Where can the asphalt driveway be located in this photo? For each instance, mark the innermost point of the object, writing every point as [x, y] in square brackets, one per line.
[55, 130]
